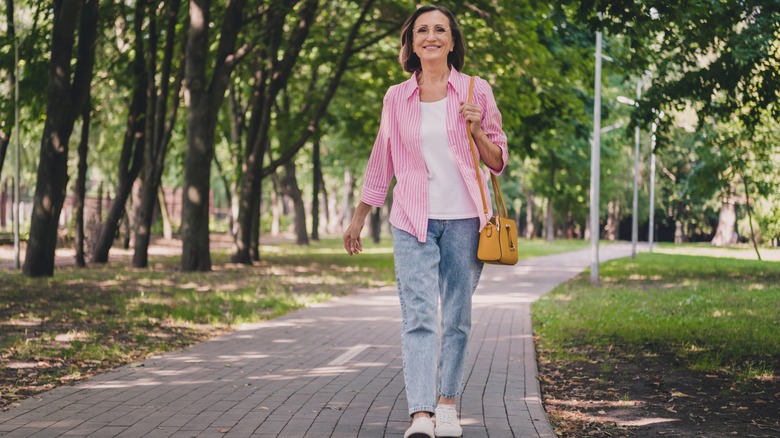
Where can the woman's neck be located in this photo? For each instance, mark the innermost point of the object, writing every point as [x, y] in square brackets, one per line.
[434, 74]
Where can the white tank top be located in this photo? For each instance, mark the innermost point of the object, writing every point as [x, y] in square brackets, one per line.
[448, 196]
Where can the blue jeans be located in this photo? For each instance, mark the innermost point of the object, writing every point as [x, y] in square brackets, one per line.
[444, 268]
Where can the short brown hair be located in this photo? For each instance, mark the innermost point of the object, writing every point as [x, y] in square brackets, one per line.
[410, 61]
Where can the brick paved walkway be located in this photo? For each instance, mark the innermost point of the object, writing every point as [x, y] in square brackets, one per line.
[333, 370]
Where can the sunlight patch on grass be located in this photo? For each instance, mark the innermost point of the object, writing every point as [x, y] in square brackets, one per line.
[757, 371]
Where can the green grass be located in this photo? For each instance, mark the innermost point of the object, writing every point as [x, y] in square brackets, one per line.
[539, 247]
[708, 313]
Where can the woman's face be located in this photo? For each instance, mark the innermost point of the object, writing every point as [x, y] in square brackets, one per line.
[432, 37]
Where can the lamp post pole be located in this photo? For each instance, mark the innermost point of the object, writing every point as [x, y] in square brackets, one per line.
[595, 166]
[651, 225]
[635, 206]
[16, 224]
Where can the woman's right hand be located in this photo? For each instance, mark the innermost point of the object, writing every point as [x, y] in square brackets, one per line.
[352, 242]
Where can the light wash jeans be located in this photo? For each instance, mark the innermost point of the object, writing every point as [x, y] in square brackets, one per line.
[444, 268]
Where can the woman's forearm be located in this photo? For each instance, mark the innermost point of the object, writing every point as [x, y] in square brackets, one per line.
[489, 151]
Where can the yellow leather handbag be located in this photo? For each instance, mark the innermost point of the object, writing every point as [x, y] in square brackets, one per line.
[498, 240]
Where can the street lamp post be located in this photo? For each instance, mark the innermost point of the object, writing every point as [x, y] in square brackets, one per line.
[651, 231]
[595, 166]
[635, 204]
[651, 225]
[17, 134]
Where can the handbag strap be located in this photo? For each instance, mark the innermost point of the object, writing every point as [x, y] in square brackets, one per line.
[500, 204]
[474, 152]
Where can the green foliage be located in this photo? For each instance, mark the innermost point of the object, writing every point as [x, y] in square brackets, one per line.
[714, 64]
[720, 55]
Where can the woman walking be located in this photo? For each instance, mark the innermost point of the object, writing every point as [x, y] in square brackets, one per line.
[437, 209]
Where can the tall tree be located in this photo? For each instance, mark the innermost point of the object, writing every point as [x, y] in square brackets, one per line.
[161, 113]
[290, 188]
[5, 137]
[66, 91]
[81, 186]
[205, 99]
[274, 70]
[315, 189]
[131, 155]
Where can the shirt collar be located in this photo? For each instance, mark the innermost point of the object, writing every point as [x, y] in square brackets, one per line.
[457, 80]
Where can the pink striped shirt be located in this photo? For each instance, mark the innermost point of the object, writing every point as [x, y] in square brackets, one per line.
[397, 151]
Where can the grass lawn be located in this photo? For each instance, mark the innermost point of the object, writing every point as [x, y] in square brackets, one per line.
[539, 247]
[83, 321]
[666, 322]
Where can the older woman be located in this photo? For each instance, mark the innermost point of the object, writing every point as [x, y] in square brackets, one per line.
[437, 209]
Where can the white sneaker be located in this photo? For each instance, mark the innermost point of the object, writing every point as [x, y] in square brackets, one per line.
[422, 427]
[447, 424]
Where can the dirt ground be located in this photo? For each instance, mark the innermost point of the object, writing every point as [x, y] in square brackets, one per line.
[623, 395]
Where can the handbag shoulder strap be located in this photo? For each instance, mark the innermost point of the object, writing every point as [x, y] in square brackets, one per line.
[474, 152]
[500, 204]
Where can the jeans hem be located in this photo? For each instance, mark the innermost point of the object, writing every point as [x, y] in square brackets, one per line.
[457, 394]
[429, 409]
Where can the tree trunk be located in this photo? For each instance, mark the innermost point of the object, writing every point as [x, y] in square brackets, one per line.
[530, 230]
[132, 215]
[130, 159]
[326, 205]
[99, 206]
[726, 233]
[571, 226]
[613, 220]
[586, 234]
[205, 102]
[750, 217]
[276, 206]
[158, 130]
[254, 250]
[237, 129]
[549, 223]
[4, 205]
[81, 187]
[228, 195]
[679, 235]
[347, 210]
[269, 82]
[164, 215]
[200, 141]
[376, 225]
[315, 192]
[334, 220]
[5, 140]
[294, 192]
[63, 97]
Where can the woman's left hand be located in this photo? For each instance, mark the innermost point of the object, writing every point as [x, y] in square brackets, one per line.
[473, 115]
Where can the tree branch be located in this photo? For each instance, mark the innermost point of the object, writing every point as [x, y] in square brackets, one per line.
[322, 109]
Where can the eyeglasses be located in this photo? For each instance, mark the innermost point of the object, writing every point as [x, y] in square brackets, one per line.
[424, 31]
